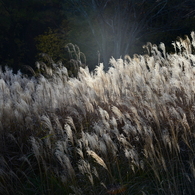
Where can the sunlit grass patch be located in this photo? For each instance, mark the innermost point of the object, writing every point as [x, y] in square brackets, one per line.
[129, 130]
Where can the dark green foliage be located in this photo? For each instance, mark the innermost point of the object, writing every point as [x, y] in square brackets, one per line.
[100, 28]
[21, 22]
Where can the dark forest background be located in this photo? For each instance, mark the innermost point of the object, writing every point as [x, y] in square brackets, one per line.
[101, 28]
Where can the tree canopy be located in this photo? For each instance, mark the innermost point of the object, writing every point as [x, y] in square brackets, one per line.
[21, 22]
[101, 28]
[119, 26]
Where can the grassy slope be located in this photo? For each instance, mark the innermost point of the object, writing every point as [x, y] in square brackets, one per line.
[127, 131]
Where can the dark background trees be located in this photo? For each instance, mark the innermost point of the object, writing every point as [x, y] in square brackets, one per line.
[20, 22]
[121, 27]
[101, 28]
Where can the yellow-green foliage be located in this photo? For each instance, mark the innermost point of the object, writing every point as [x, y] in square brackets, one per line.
[52, 43]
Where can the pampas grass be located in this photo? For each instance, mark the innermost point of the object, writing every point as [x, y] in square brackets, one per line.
[131, 126]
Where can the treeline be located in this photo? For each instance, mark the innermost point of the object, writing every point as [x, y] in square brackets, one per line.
[101, 28]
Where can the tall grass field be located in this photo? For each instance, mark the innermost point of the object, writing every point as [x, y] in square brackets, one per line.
[129, 130]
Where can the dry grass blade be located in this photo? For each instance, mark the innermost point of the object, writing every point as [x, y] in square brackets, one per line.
[97, 158]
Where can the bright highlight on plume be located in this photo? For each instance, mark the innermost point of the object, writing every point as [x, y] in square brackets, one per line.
[132, 126]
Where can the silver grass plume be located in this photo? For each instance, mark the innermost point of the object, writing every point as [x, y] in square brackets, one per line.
[97, 158]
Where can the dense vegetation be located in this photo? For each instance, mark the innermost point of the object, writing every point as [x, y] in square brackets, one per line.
[126, 127]
[129, 130]
[101, 28]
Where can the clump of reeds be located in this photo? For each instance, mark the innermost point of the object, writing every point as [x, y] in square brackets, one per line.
[129, 130]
